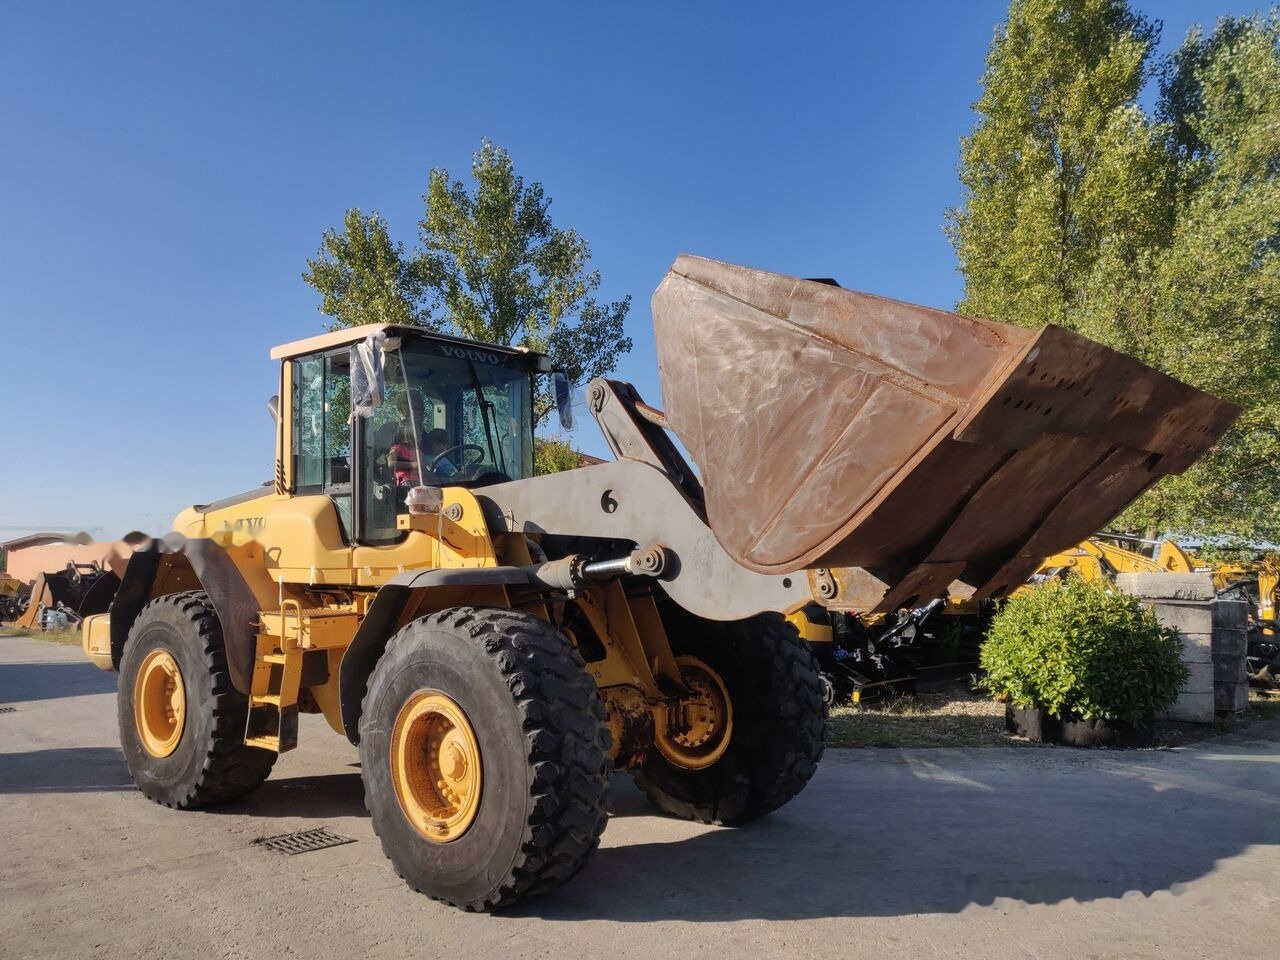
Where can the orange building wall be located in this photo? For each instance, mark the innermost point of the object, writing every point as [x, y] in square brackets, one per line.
[27, 563]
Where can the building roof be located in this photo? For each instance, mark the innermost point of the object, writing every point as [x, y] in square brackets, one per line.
[34, 540]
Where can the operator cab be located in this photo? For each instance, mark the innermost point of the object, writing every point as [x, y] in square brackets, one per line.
[372, 411]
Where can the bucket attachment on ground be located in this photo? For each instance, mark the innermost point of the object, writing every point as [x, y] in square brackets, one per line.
[835, 429]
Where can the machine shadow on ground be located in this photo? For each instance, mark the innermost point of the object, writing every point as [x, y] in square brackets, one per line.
[64, 770]
[320, 797]
[28, 682]
[851, 847]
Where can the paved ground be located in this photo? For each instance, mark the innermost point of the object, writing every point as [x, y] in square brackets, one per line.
[889, 853]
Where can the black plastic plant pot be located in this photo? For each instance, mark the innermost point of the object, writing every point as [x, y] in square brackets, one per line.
[1042, 727]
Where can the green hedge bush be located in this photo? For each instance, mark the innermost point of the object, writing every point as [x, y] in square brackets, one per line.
[1079, 651]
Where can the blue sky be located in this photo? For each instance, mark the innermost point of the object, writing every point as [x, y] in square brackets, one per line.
[166, 169]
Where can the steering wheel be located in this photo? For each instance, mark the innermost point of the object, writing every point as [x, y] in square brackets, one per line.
[462, 447]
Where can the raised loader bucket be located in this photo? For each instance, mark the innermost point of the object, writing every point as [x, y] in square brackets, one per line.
[835, 429]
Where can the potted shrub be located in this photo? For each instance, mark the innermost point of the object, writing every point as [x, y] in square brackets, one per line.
[1076, 663]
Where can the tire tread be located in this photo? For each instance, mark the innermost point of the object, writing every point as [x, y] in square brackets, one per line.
[788, 726]
[231, 768]
[565, 734]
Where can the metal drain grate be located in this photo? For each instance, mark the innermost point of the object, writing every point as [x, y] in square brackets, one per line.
[303, 841]
[8, 709]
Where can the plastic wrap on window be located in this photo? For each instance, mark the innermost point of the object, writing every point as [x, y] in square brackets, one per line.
[367, 382]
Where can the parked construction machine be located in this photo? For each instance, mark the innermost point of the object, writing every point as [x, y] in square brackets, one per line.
[863, 657]
[61, 599]
[1257, 582]
[13, 597]
[497, 642]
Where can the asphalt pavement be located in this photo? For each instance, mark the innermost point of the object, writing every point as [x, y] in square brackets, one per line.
[975, 853]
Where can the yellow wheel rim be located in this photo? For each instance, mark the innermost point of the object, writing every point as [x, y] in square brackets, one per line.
[694, 731]
[435, 766]
[159, 703]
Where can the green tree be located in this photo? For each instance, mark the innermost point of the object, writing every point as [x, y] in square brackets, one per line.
[554, 454]
[363, 276]
[1215, 289]
[1061, 164]
[1154, 235]
[504, 273]
[492, 267]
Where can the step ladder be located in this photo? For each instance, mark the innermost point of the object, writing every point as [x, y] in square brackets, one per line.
[284, 639]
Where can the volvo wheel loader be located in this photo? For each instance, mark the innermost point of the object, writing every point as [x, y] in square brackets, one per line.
[496, 643]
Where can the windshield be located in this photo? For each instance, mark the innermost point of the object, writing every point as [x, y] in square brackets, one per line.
[453, 415]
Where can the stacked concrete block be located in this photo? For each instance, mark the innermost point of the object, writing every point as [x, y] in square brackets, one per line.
[1230, 641]
[1214, 638]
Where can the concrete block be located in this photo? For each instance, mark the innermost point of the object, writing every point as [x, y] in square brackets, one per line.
[1229, 668]
[1191, 708]
[1184, 617]
[1167, 586]
[1201, 679]
[1227, 641]
[1230, 697]
[1197, 648]
[1230, 614]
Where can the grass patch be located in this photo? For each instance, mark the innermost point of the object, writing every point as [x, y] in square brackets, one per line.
[1264, 704]
[962, 718]
[69, 638]
[954, 718]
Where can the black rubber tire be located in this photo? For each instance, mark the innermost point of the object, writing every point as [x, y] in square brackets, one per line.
[779, 721]
[539, 724]
[210, 764]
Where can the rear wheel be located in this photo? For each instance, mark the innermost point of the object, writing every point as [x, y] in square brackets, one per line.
[749, 737]
[485, 757]
[181, 721]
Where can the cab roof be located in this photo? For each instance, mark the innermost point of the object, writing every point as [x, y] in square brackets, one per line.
[350, 335]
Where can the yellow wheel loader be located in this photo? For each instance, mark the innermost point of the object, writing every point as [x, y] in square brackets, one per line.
[497, 642]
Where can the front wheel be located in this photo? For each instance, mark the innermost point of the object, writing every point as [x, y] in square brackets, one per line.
[181, 721]
[485, 757]
[750, 733]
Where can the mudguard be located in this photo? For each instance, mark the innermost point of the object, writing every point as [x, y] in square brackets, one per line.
[233, 601]
[380, 620]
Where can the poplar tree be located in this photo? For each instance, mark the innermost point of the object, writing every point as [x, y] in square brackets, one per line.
[491, 266]
[1156, 235]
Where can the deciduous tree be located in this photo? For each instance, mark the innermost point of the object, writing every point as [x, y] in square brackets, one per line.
[1156, 235]
[503, 272]
[492, 266]
[363, 276]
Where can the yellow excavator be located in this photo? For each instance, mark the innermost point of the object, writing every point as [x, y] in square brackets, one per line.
[1257, 582]
[497, 643]
[1102, 557]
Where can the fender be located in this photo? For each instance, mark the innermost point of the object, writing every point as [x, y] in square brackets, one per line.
[380, 621]
[233, 601]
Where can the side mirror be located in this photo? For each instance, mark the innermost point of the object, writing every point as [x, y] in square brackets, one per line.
[274, 406]
[564, 402]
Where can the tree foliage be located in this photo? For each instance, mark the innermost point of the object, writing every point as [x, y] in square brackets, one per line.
[505, 273]
[363, 276]
[1157, 235]
[492, 266]
[553, 455]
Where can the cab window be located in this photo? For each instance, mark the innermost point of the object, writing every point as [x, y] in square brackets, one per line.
[322, 430]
